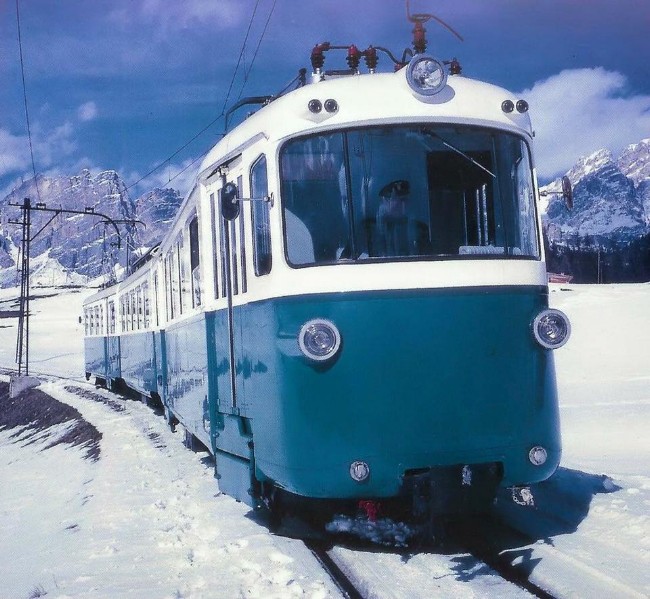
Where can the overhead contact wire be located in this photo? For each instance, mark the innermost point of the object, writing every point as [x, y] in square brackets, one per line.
[22, 73]
[257, 48]
[223, 111]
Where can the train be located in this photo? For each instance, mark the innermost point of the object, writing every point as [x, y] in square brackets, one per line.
[351, 307]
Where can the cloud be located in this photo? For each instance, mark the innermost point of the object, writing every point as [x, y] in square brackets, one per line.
[87, 112]
[54, 146]
[169, 16]
[51, 147]
[177, 176]
[579, 111]
[14, 153]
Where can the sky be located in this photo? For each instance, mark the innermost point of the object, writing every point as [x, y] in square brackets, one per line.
[133, 84]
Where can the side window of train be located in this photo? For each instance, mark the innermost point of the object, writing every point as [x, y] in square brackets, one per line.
[169, 314]
[195, 262]
[260, 219]
[182, 274]
[137, 324]
[156, 296]
[111, 317]
[242, 246]
[132, 319]
[223, 224]
[173, 277]
[146, 305]
[234, 253]
[216, 237]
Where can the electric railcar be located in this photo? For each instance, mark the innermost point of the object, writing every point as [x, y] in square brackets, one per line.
[352, 302]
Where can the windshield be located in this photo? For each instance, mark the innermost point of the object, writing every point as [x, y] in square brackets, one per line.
[409, 192]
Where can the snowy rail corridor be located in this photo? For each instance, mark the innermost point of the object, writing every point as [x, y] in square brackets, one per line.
[143, 517]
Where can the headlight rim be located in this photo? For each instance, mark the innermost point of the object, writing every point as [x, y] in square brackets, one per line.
[541, 340]
[427, 92]
[332, 352]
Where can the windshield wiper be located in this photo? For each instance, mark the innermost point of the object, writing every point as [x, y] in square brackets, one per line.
[458, 151]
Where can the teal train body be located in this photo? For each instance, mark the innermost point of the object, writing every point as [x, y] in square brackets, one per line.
[351, 304]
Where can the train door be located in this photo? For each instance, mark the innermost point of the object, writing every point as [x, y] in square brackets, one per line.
[234, 284]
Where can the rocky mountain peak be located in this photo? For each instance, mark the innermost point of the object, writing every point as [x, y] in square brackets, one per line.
[635, 161]
[611, 197]
[84, 244]
[590, 164]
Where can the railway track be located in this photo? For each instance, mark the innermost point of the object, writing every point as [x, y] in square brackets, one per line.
[484, 557]
[449, 572]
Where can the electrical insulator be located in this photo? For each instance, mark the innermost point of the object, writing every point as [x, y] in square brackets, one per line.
[370, 56]
[354, 57]
[317, 57]
[454, 67]
[419, 39]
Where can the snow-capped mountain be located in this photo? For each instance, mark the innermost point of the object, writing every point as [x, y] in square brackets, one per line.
[611, 198]
[156, 209]
[81, 244]
[606, 236]
[635, 161]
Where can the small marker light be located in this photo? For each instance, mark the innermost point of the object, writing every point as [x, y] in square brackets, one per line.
[507, 106]
[522, 106]
[359, 471]
[315, 106]
[537, 456]
[331, 105]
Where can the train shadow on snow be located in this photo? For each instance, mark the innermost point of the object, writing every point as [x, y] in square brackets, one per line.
[504, 536]
[560, 505]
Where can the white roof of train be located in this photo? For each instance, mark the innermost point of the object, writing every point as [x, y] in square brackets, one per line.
[370, 99]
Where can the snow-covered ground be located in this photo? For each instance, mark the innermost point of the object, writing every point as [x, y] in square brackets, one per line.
[146, 519]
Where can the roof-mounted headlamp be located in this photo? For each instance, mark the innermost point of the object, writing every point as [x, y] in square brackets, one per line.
[426, 76]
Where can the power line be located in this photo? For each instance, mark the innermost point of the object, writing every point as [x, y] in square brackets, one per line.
[223, 109]
[250, 66]
[259, 43]
[178, 151]
[22, 72]
[179, 173]
[241, 54]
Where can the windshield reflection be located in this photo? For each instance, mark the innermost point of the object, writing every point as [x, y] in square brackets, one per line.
[416, 192]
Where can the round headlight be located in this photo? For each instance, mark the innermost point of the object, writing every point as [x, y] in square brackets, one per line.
[551, 328]
[319, 339]
[426, 75]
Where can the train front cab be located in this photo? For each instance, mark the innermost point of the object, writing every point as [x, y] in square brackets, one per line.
[402, 343]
